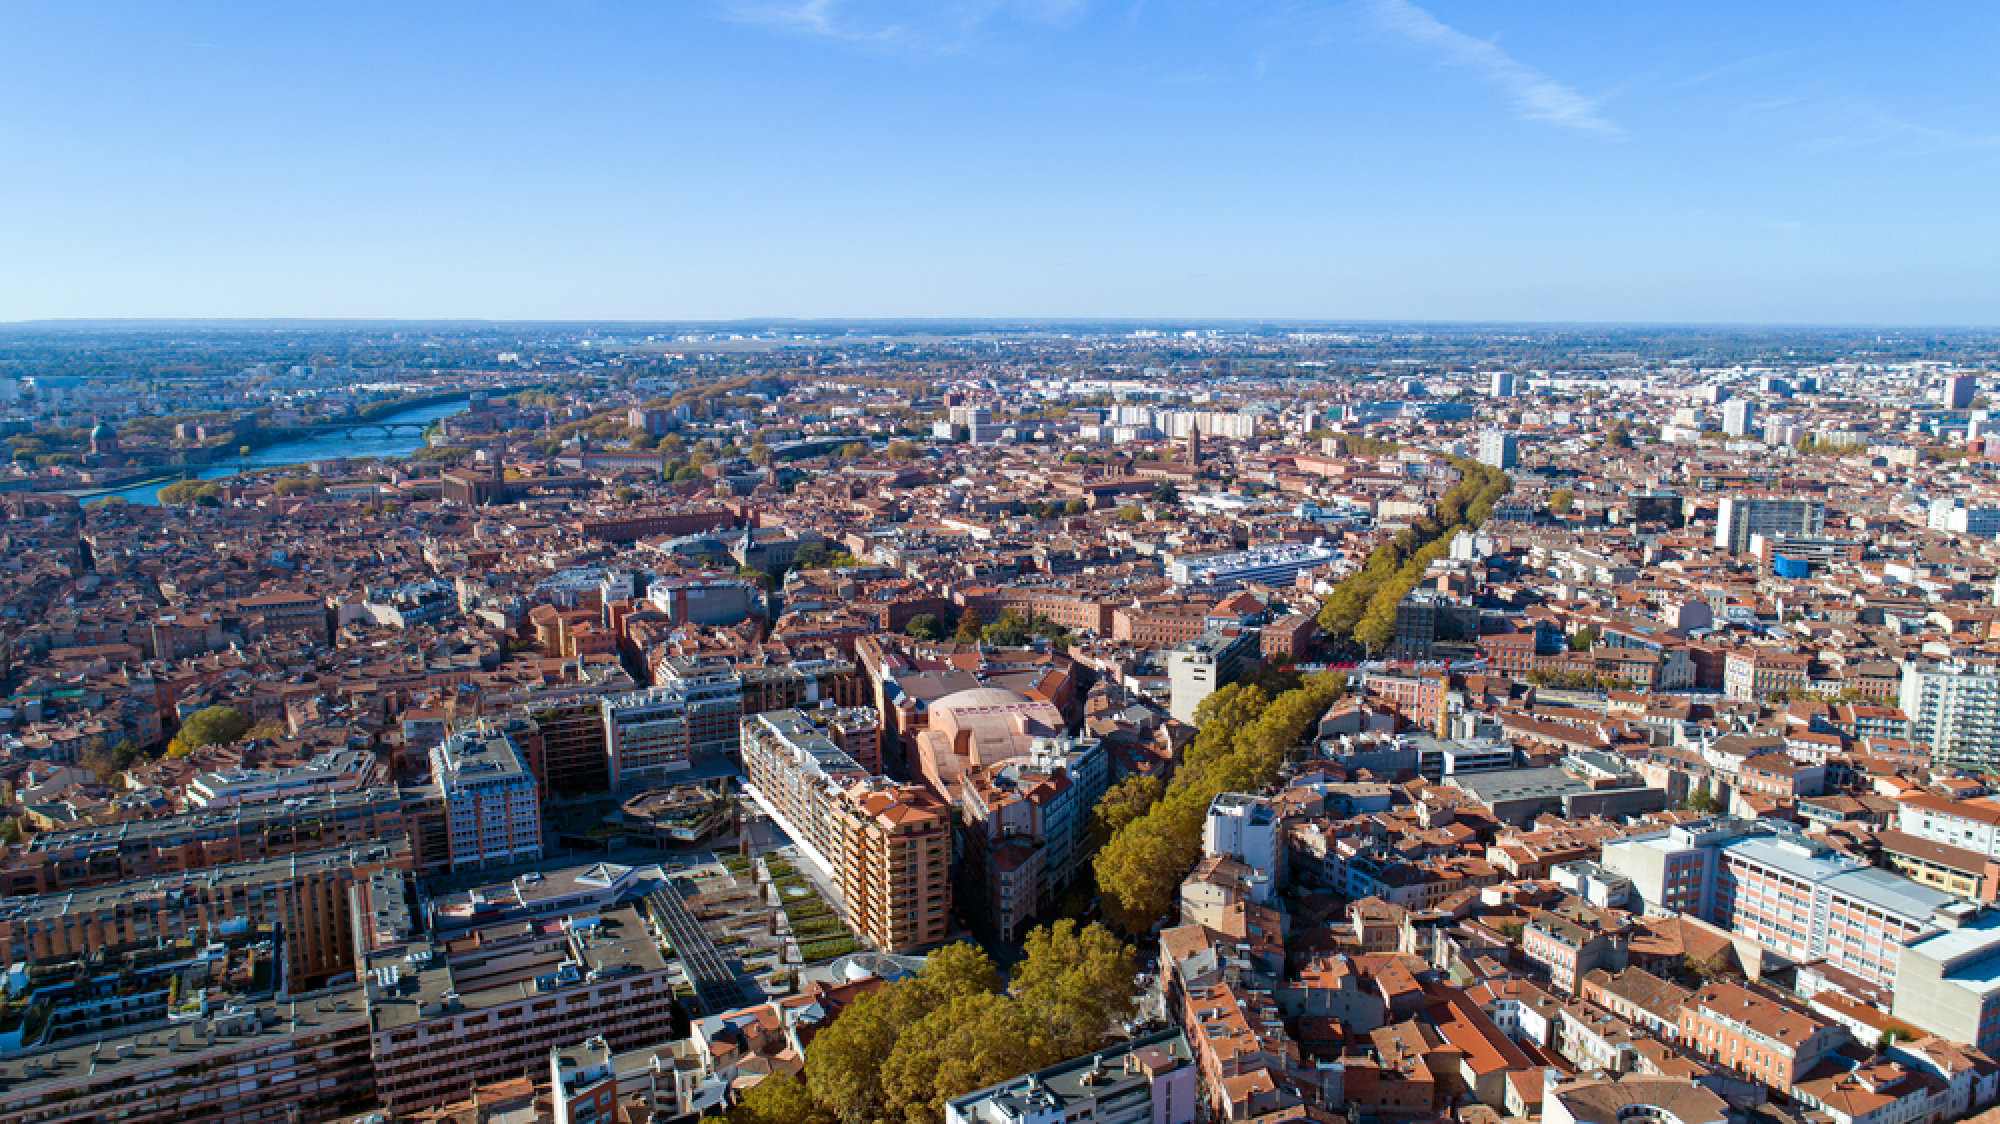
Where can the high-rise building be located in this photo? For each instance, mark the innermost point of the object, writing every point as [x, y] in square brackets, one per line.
[1955, 709]
[692, 716]
[895, 863]
[1740, 517]
[1499, 449]
[493, 815]
[887, 846]
[1502, 385]
[1959, 391]
[1738, 416]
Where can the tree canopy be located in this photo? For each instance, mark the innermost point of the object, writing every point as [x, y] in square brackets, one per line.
[1244, 733]
[901, 1052]
[214, 725]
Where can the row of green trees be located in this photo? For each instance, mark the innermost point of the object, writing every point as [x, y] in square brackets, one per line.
[1153, 831]
[901, 1052]
[1363, 606]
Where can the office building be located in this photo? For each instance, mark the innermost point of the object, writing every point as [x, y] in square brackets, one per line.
[1739, 417]
[1959, 391]
[1150, 1080]
[1949, 983]
[1955, 515]
[1953, 708]
[692, 718]
[1499, 449]
[1502, 384]
[1740, 517]
[1273, 565]
[1208, 663]
[1782, 889]
[492, 813]
[298, 900]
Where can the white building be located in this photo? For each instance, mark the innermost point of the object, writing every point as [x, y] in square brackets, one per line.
[1243, 827]
[1276, 565]
[1740, 517]
[1954, 709]
[1739, 415]
[1499, 449]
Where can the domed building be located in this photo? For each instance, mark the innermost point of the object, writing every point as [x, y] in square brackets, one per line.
[104, 445]
[981, 726]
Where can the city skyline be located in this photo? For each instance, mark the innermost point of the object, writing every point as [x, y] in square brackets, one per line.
[1374, 161]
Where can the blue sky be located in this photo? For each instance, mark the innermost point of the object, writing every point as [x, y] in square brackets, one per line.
[1363, 159]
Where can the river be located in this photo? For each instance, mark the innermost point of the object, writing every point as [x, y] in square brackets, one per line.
[321, 446]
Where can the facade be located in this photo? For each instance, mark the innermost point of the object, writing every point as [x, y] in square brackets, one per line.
[304, 896]
[893, 844]
[1499, 449]
[1955, 709]
[1740, 517]
[492, 812]
[1208, 663]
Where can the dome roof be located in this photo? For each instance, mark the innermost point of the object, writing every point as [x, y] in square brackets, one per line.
[981, 696]
[101, 431]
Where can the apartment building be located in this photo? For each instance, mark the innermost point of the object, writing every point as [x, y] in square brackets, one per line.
[1755, 1034]
[301, 1060]
[1025, 828]
[1740, 517]
[798, 775]
[894, 865]
[303, 897]
[1955, 709]
[1208, 663]
[492, 1001]
[887, 846]
[134, 849]
[491, 810]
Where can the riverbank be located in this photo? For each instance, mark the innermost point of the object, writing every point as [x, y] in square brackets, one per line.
[300, 451]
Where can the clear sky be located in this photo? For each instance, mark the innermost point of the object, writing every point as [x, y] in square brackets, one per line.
[1831, 162]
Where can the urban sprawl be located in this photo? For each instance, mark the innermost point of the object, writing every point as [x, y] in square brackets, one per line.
[966, 724]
